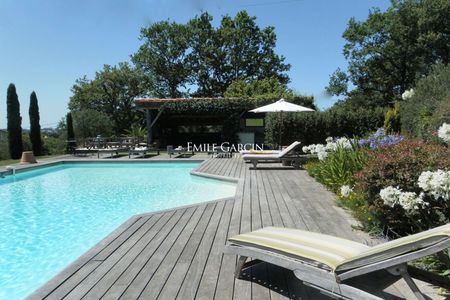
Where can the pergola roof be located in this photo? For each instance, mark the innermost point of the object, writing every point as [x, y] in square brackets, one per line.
[154, 103]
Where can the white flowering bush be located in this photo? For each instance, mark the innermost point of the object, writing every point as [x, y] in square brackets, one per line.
[409, 201]
[323, 150]
[444, 132]
[390, 195]
[436, 183]
[346, 191]
[407, 94]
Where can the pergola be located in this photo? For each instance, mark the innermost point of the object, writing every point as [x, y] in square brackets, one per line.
[160, 105]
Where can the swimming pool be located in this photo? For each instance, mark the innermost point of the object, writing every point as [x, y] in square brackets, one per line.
[52, 215]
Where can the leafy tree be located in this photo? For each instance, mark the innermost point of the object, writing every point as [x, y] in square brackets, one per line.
[164, 56]
[14, 123]
[390, 50]
[250, 51]
[112, 93]
[70, 132]
[91, 123]
[35, 127]
[209, 58]
[266, 89]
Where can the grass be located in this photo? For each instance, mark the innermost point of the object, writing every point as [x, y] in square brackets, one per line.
[7, 162]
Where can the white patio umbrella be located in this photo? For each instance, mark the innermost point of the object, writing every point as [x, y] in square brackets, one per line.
[281, 106]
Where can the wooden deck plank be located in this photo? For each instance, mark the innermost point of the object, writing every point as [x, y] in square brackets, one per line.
[88, 276]
[142, 252]
[173, 283]
[162, 272]
[258, 290]
[208, 282]
[122, 253]
[191, 282]
[138, 284]
[243, 288]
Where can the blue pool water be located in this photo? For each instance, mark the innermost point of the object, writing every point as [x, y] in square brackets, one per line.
[50, 216]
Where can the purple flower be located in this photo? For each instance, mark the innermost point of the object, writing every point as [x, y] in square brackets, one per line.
[380, 139]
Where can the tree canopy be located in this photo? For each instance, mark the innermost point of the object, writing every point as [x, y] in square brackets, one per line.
[111, 92]
[266, 89]
[198, 55]
[391, 50]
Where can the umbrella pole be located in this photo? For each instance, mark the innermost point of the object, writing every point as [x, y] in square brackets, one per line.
[280, 130]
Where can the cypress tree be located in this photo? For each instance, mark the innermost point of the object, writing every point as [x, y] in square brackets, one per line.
[35, 127]
[14, 123]
[70, 133]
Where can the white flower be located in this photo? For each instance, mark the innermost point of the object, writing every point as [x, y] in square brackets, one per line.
[390, 195]
[410, 201]
[346, 191]
[344, 143]
[322, 154]
[329, 139]
[305, 149]
[424, 180]
[444, 132]
[407, 94]
[331, 147]
[319, 148]
[436, 183]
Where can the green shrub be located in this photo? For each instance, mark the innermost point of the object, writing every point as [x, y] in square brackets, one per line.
[400, 166]
[429, 107]
[54, 145]
[4, 151]
[315, 127]
[338, 168]
[90, 123]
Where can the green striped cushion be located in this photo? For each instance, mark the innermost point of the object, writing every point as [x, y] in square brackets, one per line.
[397, 247]
[324, 249]
[336, 253]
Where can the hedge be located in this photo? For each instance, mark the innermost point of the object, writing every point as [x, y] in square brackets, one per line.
[315, 127]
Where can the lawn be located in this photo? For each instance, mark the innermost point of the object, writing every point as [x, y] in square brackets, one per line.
[8, 162]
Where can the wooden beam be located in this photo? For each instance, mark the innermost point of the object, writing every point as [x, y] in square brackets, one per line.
[149, 126]
[157, 117]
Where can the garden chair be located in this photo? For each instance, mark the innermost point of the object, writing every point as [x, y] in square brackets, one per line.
[339, 267]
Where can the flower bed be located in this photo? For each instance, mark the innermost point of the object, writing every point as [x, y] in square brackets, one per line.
[392, 184]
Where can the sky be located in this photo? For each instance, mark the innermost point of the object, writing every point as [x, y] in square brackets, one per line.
[46, 45]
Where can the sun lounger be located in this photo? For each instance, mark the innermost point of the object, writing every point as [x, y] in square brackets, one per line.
[111, 151]
[84, 151]
[290, 153]
[259, 152]
[339, 267]
[179, 151]
[142, 151]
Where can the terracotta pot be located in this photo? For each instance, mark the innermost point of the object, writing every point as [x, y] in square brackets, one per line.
[27, 158]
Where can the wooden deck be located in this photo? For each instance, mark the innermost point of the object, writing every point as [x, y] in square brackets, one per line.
[178, 253]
